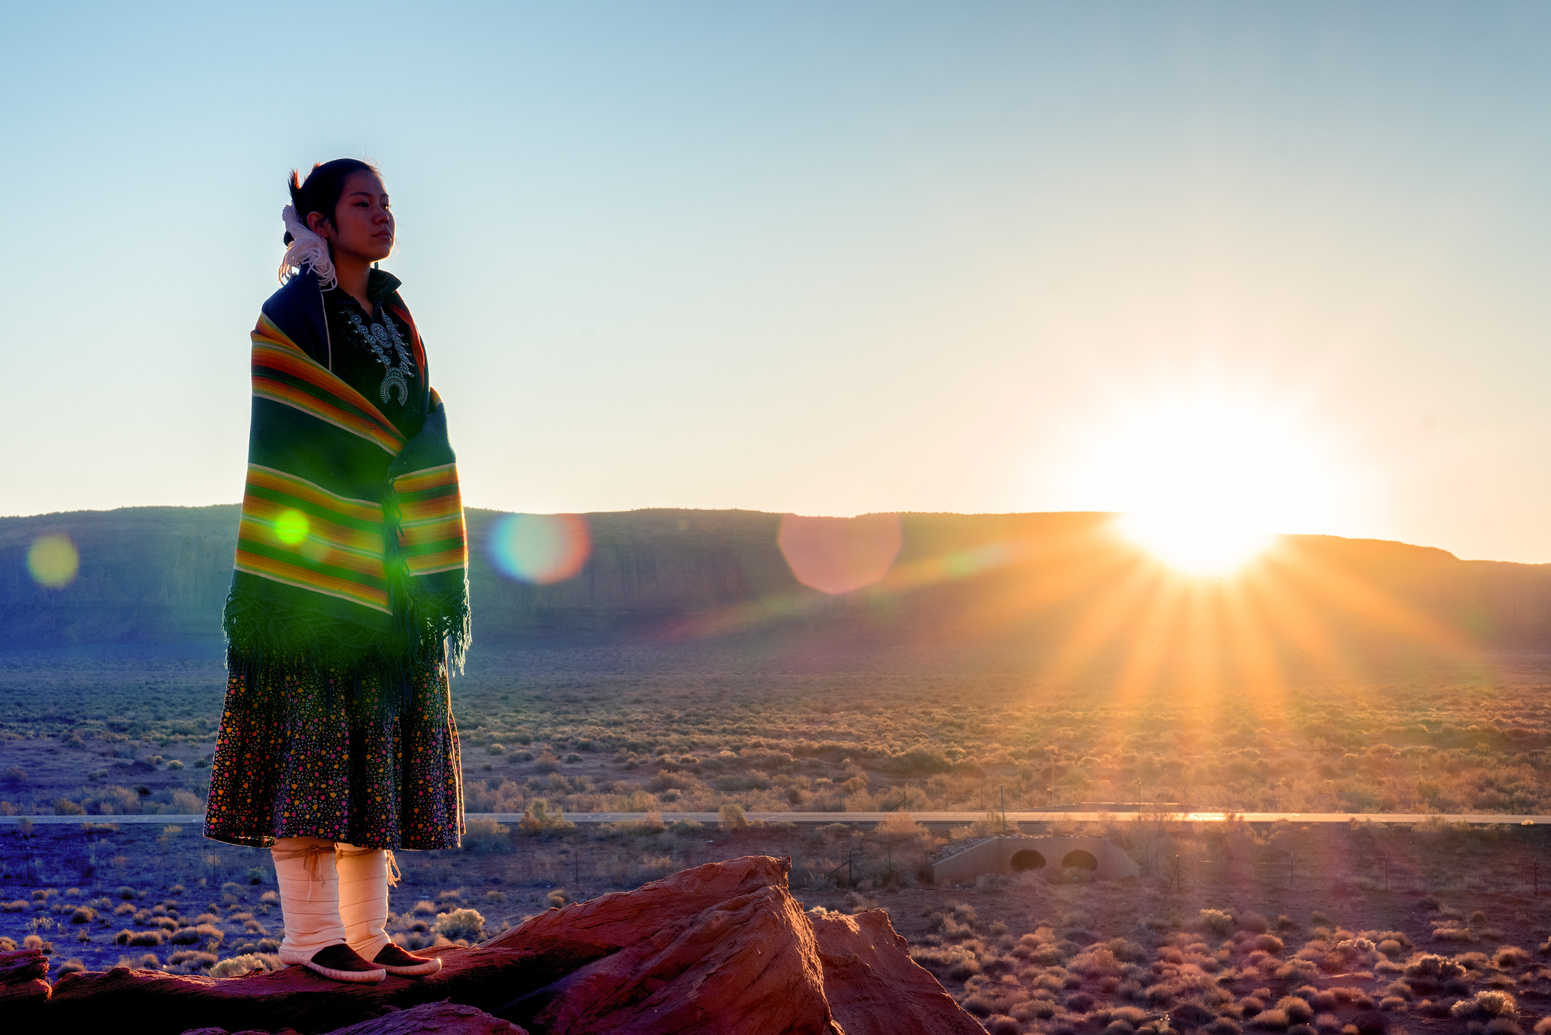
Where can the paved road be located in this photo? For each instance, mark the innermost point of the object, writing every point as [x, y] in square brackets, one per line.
[708, 818]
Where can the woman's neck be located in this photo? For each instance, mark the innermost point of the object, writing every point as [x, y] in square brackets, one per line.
[353, 276]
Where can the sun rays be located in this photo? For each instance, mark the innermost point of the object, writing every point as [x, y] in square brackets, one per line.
[1205, 477]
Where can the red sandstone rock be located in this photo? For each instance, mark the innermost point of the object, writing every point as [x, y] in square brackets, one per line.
[23, 990]
[441, 1018]
[748, 964]
[291, 998]
[723, 947]
[873, 986]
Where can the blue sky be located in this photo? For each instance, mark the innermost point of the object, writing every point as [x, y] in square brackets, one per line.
[830, 258]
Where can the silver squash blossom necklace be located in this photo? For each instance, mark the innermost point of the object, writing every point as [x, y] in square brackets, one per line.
[388, 346]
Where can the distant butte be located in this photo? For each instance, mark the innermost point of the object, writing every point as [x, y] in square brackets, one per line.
[719, 948]
[159, 575]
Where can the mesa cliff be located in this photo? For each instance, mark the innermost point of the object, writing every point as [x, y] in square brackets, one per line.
[160, 574]
[719, 948]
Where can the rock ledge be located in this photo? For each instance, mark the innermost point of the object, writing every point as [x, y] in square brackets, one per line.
[719, 948]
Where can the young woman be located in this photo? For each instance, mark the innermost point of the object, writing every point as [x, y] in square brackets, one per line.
[349, 599]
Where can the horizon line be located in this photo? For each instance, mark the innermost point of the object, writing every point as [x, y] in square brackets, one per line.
[776, 513]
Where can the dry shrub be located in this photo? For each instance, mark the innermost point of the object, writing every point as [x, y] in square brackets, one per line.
[1453, 933]
[1543, 1026]
[1126, 951]
[1428, 971]
[1191, 1015]
[1079, 1002]
[902, 826]
[1511, 956]
[1035, 1010]
[956, 961]
[1271, 1020]
[1305, 969]
[1254, 923]
[189, 961]
[1298, 1010]
[248, 963]
[1130, 1015]
[1217, 921]
[1268, 943]
[1001, 1024]
[1097, 962]
[537, 819]
[486, 837]
[979, 1005]
[465, 924]
[1391, 1003]
[1487, 1003]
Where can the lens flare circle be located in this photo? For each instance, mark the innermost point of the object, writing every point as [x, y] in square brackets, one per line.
[291, 527]
[838, 555]
[53, 560]
[539, 548]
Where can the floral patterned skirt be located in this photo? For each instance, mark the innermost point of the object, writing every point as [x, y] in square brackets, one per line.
[305, 754]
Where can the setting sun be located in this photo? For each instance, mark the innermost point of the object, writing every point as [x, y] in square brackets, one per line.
[1205, 480]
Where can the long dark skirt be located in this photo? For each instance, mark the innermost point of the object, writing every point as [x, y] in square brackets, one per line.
[301, 754]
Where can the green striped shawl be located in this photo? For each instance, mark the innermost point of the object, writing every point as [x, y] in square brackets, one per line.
[351, 552]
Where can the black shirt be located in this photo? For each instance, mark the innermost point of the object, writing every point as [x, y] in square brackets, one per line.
[375, 355]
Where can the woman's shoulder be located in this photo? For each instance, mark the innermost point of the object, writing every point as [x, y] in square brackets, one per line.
[297, 309]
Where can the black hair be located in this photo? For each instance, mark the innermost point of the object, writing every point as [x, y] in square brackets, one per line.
[324, 185]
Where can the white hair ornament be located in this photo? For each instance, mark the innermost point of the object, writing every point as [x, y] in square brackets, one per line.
[307, 249]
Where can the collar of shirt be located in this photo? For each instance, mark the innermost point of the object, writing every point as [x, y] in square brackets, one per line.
[379, 285]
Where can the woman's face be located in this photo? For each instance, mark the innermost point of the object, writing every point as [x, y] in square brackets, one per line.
[362, 227]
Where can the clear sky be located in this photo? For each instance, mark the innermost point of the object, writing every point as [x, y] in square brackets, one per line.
[827, 257]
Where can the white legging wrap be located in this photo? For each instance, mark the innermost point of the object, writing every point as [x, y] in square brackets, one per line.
[363, 897]
[331, 894]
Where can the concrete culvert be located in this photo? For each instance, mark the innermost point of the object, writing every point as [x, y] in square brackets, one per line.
[1080, 860]
[1028, 859]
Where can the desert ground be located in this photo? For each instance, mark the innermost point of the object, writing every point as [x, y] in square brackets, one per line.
[1279, 927]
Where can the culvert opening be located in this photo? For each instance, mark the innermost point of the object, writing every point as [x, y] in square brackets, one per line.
[1080, 860]
[1028, 859]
